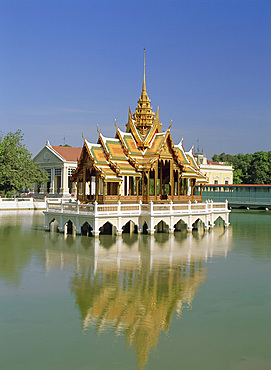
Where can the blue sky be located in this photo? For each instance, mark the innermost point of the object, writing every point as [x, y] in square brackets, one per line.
[68, 66]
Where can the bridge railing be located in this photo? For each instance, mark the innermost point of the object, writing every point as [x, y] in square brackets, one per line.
[191, 208]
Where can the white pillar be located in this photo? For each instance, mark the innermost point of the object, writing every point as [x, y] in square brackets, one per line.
[189, 225]
[171, 226]
[52, 183]
[119, 228]
[61, 181]
[189, 187]
[128, 184]
[96, 224]
[64, 180]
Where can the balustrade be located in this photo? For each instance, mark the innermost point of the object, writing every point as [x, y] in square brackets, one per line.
[119, 208]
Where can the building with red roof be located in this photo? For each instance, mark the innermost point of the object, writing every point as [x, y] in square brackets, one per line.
[59, 161]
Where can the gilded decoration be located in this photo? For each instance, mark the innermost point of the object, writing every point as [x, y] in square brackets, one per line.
[143, 160]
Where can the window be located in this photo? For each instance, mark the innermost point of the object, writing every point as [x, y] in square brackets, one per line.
[216, 182]
[58, 172]
[226, 182]
[70, 171]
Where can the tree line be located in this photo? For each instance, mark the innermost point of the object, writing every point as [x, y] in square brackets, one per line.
[17, 169]
[248, 168]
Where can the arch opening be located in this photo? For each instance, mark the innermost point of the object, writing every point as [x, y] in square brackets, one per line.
[180, 226]
[198, 225]
[129, 228]
[145, 228]
[219, 221]
[107, 229]
[86, 229]
[162, 227]
[69, 227]
[54, 225]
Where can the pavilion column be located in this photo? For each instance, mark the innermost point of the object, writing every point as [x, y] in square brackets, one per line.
[179, 183]
[161, 178]
[155, 180]
[137, 188]
[143, 184]
[77, 188]
[193, 186]
[96, 187]
[118, 190]
[148, 186]
[84, 184]
[171, 180]
[185, 187]
[104, 184]
[130, 185]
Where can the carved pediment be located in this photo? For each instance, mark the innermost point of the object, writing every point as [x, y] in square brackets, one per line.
[46, 156]
[164, 151]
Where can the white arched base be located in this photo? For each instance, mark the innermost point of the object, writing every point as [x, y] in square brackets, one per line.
[148, 218]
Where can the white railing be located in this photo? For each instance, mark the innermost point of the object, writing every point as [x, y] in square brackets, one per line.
[21, 204]
[136, 209]
[16, 199]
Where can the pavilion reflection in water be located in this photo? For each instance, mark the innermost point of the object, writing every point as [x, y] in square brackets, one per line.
[134, 284]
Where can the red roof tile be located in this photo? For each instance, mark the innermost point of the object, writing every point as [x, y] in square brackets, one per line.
[212, 162]
[68, 152]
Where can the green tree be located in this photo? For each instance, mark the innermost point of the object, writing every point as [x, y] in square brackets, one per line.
[260, 168]
[237, 176]
[248, 168]
[215, 158]
[17, 170]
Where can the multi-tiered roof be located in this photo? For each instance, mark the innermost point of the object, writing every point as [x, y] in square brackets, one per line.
[132, 152]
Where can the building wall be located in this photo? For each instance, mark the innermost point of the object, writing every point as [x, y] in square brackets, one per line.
[218, 174]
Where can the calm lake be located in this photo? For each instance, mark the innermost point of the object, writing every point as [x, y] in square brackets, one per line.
[182, 301]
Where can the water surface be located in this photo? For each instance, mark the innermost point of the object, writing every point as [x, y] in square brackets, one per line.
[200, 301]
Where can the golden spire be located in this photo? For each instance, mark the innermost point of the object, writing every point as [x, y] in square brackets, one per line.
[144, 116]
[143, 124]
[144, 74]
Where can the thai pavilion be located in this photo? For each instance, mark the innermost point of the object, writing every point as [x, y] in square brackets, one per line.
[142, 163]
[137, 180]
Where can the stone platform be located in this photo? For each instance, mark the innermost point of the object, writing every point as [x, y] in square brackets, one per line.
[76, 217]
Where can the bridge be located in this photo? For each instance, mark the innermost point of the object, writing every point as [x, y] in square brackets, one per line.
[240, 196]
[91, 219]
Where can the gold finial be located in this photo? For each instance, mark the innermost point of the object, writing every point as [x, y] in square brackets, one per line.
[192, 147]
[98, 129]
[83, 136]
[144, 72]
[115, 122]
[182, 140]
